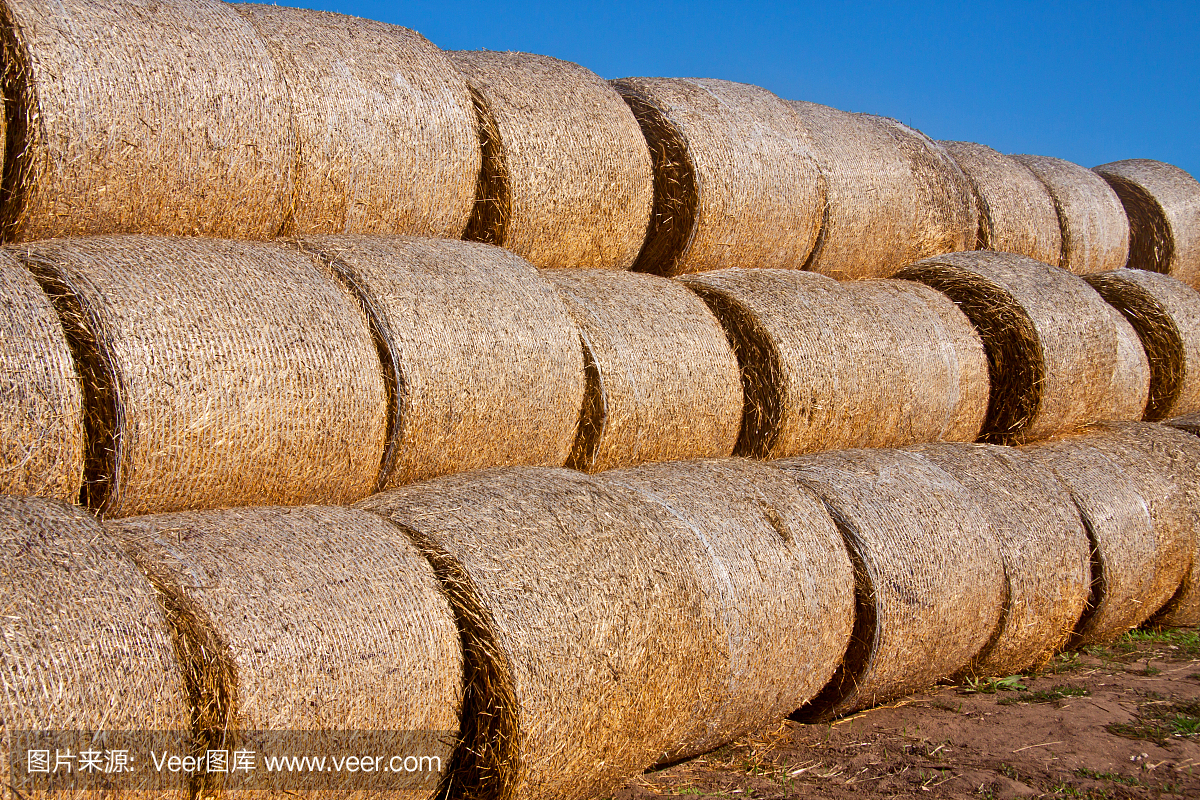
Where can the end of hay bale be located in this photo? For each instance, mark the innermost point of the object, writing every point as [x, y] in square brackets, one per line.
[1151, 246]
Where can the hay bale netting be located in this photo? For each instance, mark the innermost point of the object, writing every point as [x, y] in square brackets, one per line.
[215, 373]
[586, 615]
[569, 181]
[1166, 315]
[663, 382]
[828, 366]
[930, 580]
[1051, 340]
[1162, 203]
[132, 116]
[1043, 545]
[386, 140]
[86, 644]
[311, 619]
[1091, 220]
[779, 576]
[1016, 211]
[483, 362]
[41, 402]
[735, 182]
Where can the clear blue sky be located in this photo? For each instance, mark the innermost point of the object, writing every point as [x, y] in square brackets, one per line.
[1087, 81]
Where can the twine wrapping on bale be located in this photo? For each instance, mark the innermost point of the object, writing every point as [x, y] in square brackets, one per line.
[1091, 220]
[828, 366]
[216, 373]
[1016, 211]
[385, 129]
[482, 360]
[41, 444]
[779, 576]
[1043, 545]
[930, 580]
[568, 182]
[735, 183]
[1162, 203]
[1166, 315]
[133, 116]
[663, 382]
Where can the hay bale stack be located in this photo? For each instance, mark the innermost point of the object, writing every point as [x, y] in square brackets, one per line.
[132, 116]
[585, 608]
[1016, 211]
[569, 181]
[1051, 340]
[385, 130]
[41, 446]
[828, 365]
[483, 361]
[1091, 220]
[1166, 315]
[930, 580]
[1162, 203]
[779, 577]
[216, 373]
[663, 382]
[1043, 545]
[735, 182]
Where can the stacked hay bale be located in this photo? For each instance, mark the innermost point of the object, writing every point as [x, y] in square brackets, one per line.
[735, 183]
[566, 178]
[1184, 607]
[384, 126]
[1131, 382]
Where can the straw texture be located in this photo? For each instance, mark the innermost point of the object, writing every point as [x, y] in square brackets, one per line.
[574, 180]
[215, 373]
[930, 580]
[1130, 387]
[141, 116]
[735, 182]
[1184, 607]
[386, 140]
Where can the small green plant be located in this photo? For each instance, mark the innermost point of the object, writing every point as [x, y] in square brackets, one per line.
[1111, 777]
[1046, 695]
[992, 685]
[1162, 723]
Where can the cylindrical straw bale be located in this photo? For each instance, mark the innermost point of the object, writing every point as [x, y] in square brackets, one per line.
[735, 182]
[386, 138]
[663, 382]
[1091, 220]
[216, 373]
[483, 360]
[1130, 386]
[1163, 205]
[1016, 211]
[142, 116]
[930, 580]
[587, 616]
[1184, 607]
[569, 182]
[1043, 544]
[779, 575]
[41, 445]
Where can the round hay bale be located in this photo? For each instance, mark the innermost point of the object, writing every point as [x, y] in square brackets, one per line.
[735, 183]
[41, 447]
[828, 366]
[1016, 211]
[1051, 340]
[586, 606]
[779, 576]
[140, 116]
[663, 382]
[1091, 220]
[216, 373]
[483, 361]
[1183, 609]
[1162, 203]
[386, 140]
[930, 580]
[1043, 545]
[1166, 315]
[569, 183]
[1130, 386]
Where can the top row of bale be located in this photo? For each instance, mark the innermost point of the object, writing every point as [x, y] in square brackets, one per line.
[196, 117]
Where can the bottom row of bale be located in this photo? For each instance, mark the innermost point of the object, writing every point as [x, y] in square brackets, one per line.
[568, 631]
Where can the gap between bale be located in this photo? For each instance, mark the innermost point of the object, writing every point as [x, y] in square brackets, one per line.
[493, 198]
[1151, 245]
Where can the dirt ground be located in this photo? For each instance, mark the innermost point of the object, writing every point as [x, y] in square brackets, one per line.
[1113, 722]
